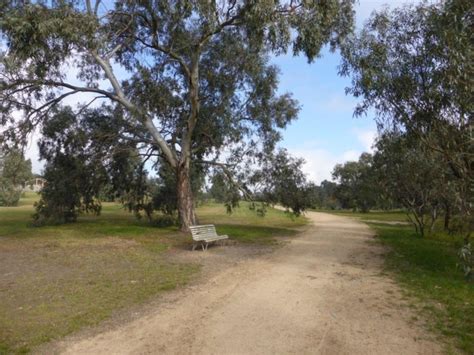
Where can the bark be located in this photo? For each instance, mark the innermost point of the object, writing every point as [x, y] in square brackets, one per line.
[187, 215]
[434, 216]
[447, 217]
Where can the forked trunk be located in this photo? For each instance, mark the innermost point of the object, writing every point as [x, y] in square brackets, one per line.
[187, 216]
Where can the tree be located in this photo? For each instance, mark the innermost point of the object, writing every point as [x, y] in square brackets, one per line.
[223, 191]
[198, 72]
[413, 176]
[412, 65]
[74, 175]
[164, 197]
[357, 187]
[284, 182]
[15, 172]
[85, 155]
[328, 195]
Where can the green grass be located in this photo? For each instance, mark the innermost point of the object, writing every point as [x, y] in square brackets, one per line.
[427, 269]
[55, 280]
[383, 216]
[246, 226]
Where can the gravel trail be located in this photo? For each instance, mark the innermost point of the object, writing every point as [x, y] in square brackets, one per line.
[323, 293]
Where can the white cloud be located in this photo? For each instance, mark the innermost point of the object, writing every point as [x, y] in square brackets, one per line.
[364, 8]
[319, 163]
[340, 103]
[350, 155]
[366, 138]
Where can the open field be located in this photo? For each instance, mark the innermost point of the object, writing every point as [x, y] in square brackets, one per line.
[57, 279]
[427, 269]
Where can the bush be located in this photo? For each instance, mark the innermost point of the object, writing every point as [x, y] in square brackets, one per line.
[164, 221]
[9, 194]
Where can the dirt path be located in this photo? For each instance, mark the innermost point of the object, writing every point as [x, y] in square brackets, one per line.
[321, 294]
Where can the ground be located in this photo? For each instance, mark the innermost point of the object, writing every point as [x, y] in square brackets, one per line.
[112, 282]
[56, 280]
[322, 293]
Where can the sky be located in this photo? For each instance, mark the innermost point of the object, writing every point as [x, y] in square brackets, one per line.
[326, 133]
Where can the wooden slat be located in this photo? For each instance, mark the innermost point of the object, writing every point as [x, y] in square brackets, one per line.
[206, 233]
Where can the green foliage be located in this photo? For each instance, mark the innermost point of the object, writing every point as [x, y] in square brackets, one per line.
[414, 177]
[85, 160]
[68, 193]
[411, 65]
[357, 187]
[164, 195]
[74, 177]
[219, 188]
[427, 268]
[206, 84]
[9, 194]
[327, 196]
[15, 172]
[283, 182]
[14, 168]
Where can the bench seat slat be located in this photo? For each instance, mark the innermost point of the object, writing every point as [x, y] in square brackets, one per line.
[218, 237]
[206, 233]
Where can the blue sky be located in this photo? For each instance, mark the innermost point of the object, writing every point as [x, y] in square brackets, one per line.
[326, 132]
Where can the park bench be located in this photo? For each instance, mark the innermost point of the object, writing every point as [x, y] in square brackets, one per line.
[204, 235]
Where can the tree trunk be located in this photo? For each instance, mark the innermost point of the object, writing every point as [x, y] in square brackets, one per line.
[187, 216]
[447, 218]
[434, 216]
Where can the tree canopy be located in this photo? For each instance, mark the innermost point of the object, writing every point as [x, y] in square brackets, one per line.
[413, 65]
[15, 173]
[357, 187]
[198, 77]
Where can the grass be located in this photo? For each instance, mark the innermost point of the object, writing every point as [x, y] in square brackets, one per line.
[427, 270]
[246, 226]
[55, 280]
[382, 216]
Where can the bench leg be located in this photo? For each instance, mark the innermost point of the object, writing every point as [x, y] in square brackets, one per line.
[194, 246]
[203, 247]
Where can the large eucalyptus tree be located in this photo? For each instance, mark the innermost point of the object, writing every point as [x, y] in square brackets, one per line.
[413, 65]
[198, 78]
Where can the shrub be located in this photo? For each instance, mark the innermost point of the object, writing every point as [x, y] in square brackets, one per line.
[9, 194]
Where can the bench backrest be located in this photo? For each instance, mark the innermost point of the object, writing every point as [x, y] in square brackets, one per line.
[203, 232]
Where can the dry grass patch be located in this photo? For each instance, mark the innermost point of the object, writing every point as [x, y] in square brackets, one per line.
[55, 280]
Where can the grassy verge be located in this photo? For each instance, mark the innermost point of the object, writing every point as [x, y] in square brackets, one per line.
[427, 270]
[382, 216]
[246, 226]
[55, 280]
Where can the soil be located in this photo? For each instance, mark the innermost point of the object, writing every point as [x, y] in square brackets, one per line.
[322, 293]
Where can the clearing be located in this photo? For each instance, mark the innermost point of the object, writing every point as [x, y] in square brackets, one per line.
[57, 280]
[322, 293]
